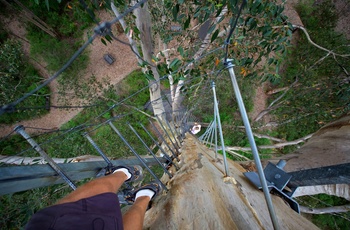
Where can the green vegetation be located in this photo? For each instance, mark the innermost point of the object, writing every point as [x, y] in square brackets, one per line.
[320, 95]
[327, 221]
[17, 78]
[74, 144]
[69, 25]
[69, 22]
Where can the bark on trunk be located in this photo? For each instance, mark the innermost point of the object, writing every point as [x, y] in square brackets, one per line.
[328, 146]
[143, 23]
[200, 197]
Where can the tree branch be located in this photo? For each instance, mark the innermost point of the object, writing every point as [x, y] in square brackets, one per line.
[146, 114]
[275, 146]
[318, 46]
[337, 209]
[284, 93]
[340, 190]
[268, 137]
[128, 35]
[266, 111]
[271, 107]
[233, 153]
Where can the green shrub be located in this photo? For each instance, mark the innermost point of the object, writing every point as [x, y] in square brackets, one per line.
[17, 78]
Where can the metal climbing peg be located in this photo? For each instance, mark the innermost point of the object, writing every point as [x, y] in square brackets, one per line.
[98, 149]
[20, 129]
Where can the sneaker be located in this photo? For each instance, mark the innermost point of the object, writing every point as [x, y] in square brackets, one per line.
[154, 186]
[134, 170]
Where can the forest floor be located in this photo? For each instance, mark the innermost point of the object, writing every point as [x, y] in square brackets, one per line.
[125, 63]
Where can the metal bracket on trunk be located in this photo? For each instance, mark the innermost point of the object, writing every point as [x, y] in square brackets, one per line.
[277, 180]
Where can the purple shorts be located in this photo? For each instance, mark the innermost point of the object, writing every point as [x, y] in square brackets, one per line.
[96, 213]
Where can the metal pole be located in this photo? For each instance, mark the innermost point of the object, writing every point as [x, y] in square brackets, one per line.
[253, 145]
[98, 149]
[216, 136]
[220, 129]
[137, 155]
[160, 147]
[166, 132]
[54, 166]
[161, 136]
[212, 135]
[149, 150]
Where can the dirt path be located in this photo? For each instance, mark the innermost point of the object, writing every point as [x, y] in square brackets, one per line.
[124, 64]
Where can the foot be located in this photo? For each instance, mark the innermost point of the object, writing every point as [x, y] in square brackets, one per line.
[151, 190]
[134, 172]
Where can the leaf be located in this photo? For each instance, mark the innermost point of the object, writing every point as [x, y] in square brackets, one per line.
[109, 38]
[149, 77]
[267, 33]
[104, 42]
[211, 29]
[174, 63]
[127, 29]
[175, 11]
[187, 22]
[214, 36]
[220, 6]
[253, 24]
[155, 59]
[47, 4]
[181, 17]
[180, 50]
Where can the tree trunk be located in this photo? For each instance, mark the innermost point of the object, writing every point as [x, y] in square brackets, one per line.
[328, 146]
[143, 23]
[204, 46]
[128, 35]
[200, 197]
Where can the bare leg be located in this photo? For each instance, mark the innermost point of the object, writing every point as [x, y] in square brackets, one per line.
[110, 183]
[133, 218]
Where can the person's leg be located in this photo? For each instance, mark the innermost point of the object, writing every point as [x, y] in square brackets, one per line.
[110, 183]
[133, 218]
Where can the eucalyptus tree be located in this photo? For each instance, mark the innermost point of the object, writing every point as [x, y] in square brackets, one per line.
[257, 46]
